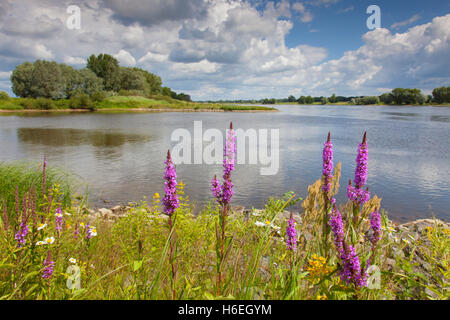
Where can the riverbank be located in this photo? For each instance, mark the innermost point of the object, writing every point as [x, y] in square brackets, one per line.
[119, 103]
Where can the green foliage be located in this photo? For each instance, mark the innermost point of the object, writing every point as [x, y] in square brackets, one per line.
[81, 101]
[441, 95]
[4, 95]
[107, 68]
[43, 104]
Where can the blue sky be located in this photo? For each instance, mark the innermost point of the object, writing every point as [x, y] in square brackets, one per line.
[241, 49]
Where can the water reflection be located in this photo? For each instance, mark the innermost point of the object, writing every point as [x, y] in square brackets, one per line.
[57, 137]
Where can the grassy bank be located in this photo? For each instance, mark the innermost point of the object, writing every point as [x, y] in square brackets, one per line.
[129, 257]
[118, 103]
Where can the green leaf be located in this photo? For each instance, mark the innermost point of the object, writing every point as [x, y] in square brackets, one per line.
[137, 265]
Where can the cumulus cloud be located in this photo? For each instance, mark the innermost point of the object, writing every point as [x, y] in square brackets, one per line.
[125, 58]
[225, 48]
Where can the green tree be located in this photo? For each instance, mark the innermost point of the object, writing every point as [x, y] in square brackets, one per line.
[133, 79]
[71, 80]
[106, 67]
[292, 99]
[309, 100]
[21, 79]
[441, 95]
[333, 99]
[89, 82]
[4, 95]
[324, 100]
[302, 100]
[46, 80]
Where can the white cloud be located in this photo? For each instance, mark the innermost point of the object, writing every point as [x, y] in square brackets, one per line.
[406, 22]
[74, 60]
[125, 58]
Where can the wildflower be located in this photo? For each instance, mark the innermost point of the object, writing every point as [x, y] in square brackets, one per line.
[351, 268]
[82, 224]
[260, 224]
[171, 202]
[48, 264]
[91, 231]
[291, 232]
[72, 260]
[223, 193]
[337, 227]
[375, 224]
[327, 164]
[67, 213]
[40, 243]
[41, 226]
[319, 297]
[49, 240]
[361, 164]
[317, 267]
[21, 234]
[156, 195]
[58, 220]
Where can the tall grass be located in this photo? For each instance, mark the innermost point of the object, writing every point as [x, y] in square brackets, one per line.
[26, 175]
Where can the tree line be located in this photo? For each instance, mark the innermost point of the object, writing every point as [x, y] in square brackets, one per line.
[398, 96]
[102, 76]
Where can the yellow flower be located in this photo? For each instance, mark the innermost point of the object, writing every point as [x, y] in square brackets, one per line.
[318, 267]
[319, 297]
[156, 195]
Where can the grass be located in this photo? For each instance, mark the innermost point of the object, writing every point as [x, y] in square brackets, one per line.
[123, 103]
[28, 175]
[257, 265]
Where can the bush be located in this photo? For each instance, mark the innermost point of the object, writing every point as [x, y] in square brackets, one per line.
[43, 104]
[4, 95]
[127, 93]
[98, 96]
[81, 101]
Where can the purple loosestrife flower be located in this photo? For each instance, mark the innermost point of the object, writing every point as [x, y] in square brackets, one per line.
[48, 264]
[361, 163]
[291, 232]
[223, 193]
[170, 201]
[327, 165]
[375, 224]
[21, 234]
[358, 196]
[216, 188]
[58, 220]
[337, 227]
[351, 268]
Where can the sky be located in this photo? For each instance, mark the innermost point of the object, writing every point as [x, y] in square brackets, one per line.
[241, 49]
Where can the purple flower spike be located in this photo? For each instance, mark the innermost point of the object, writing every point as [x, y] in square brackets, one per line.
[327, 165]
[223, 193]
[170, 201]
[291, 232]
[48, 264]
[351, 268]
[375, 224]
[361, 164]
[21, 234]
[337, 227]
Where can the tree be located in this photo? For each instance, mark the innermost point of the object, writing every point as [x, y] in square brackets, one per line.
[89, 83]
[106, 67]
[133, 79]
[333, 98]
[309, 100]
[21, 79]
[46, 80]
[324, 100]
[291, 99]
[441, 95]
[302, 100]
[387, 98]
[184, 97]
[71, 80]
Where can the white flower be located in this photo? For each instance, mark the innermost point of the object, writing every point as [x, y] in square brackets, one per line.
[49, 240]
[41, 226]
[260, 224]
[93, 231]
[67, 213]
[40, 243]
[59, 215]
[72, 260]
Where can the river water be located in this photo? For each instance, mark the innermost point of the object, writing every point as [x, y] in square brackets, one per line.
[120, 155]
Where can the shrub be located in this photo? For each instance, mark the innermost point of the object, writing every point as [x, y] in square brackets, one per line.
[4, 95]
[81, 101]
[43, 104]
[98, 96]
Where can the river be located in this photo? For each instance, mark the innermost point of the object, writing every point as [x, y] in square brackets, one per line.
[120, 155]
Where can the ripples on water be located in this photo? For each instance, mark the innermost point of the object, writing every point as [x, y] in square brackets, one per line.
[121, 155]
